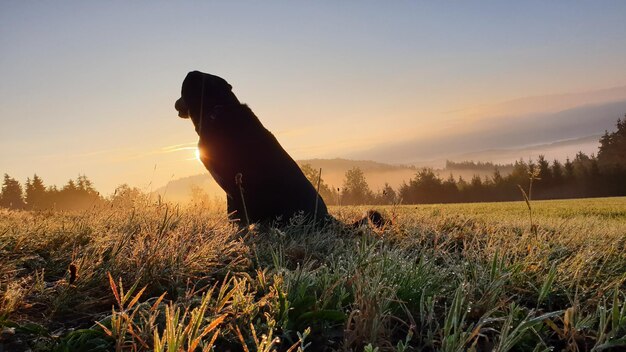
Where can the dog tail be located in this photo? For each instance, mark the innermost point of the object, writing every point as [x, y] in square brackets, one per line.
[373, 217]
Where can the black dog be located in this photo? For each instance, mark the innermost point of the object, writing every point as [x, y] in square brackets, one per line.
[263, 184]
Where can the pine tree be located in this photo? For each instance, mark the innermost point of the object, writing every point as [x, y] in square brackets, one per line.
[569, 170]
[52, 197]
[612, 150]
[84, 185]
[69, 187]
[557, 172]
[426, 187]
[581, 163]
[12, 194]
[450, 190]
[544, 171]
[35, 193]
[497, 177]
[519, 174]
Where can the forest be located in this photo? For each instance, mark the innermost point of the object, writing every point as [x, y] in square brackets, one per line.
[584, 176]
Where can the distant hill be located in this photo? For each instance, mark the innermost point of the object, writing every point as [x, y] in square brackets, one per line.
[339, 164]
[179, 190]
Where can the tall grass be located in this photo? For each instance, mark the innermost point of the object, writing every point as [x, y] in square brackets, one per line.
[440, 278]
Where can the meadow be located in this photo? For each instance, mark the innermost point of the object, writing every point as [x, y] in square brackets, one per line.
[145, 275]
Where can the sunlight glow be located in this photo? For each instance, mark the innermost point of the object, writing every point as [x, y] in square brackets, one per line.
[196, 155]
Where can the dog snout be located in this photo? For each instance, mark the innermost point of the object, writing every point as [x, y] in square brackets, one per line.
[182, 108]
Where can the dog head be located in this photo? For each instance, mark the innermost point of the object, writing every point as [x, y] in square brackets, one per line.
[200, 94]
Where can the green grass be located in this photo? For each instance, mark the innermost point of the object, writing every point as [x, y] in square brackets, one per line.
[454, 277]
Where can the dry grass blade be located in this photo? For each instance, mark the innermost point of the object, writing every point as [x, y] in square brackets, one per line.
[241, 339]
[157, 302]
[136, 298]
[105, 329]
[214, 324]
[209, 346]
[114, 289]
[525, 196]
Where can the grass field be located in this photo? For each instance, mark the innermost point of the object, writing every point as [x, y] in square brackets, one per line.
[150, 276]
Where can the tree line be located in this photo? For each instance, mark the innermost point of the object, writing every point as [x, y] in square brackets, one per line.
[76, 194]
[593, 175]
[480, 165]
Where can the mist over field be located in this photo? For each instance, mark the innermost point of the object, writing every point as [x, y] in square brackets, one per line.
[377, 174]
[333, 173]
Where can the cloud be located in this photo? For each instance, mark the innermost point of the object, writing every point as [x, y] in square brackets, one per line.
[163, 150]
[179, 147]
[502, 132]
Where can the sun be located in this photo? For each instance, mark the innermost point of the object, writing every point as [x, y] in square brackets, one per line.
[197, 152]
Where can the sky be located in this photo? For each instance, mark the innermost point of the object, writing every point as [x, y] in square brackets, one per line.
[88, 87]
